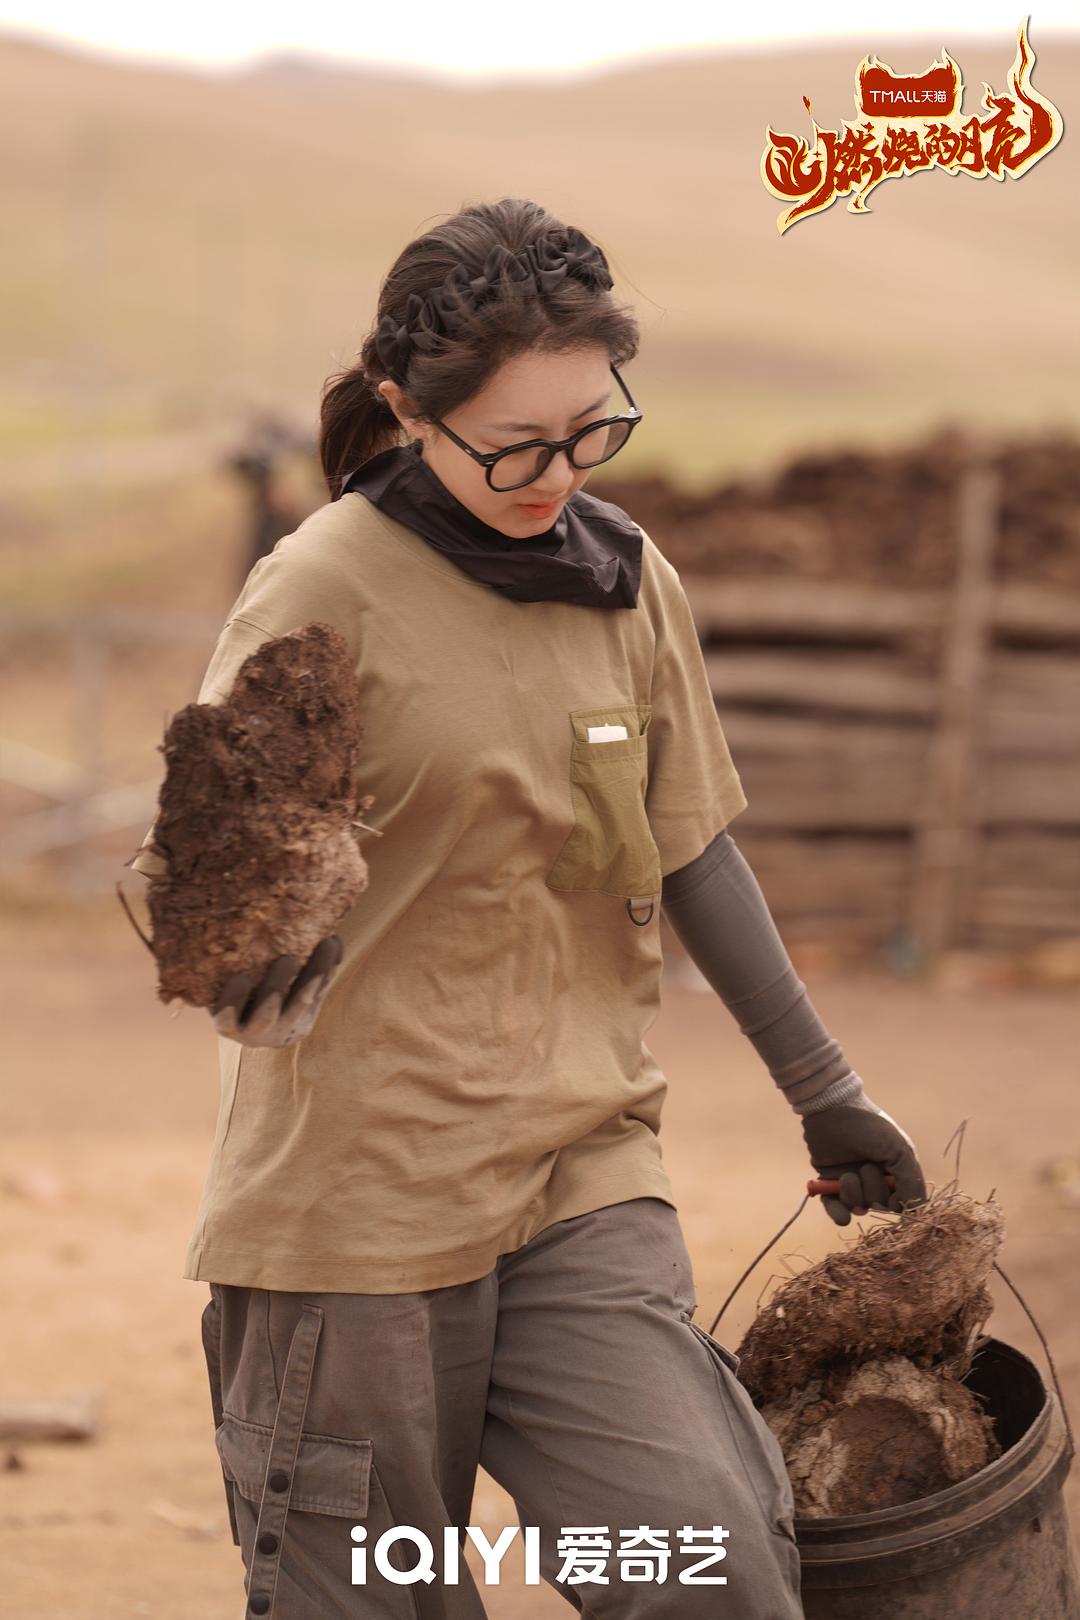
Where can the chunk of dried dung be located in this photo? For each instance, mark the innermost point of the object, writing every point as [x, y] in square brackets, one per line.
[258, 817]
[890, 1432]
[913, 1287]
[857, 1364]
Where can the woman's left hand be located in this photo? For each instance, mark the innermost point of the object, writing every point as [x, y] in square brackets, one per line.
[859, 1144]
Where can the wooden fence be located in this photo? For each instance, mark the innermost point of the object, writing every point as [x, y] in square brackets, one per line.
[911, 757]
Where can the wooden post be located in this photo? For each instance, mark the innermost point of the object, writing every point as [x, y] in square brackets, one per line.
[945, 840]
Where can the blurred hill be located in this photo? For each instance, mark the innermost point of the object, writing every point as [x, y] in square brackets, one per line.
[183, 246]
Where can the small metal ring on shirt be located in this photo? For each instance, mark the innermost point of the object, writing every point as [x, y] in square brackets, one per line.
[639, 922]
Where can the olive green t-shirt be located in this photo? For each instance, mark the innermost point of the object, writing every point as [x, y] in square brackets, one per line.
[478, 1069]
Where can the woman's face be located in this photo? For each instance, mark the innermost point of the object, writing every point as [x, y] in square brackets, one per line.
[533, 396]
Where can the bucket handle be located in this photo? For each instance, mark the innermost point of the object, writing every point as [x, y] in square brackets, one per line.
[1026, 1307]
[1029, 1313]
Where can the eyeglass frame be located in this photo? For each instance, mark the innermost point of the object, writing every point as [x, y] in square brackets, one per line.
[488, 460]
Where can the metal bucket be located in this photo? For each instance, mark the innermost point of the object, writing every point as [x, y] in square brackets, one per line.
[998, 1543]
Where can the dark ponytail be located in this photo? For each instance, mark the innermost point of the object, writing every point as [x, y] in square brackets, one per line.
[494, 280]
[356, 423]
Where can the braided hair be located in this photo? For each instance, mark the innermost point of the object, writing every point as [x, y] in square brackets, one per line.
[494, 280]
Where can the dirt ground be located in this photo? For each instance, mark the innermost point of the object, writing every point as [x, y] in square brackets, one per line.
[106, 1123]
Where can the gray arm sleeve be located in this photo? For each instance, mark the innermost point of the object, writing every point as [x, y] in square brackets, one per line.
[717, 909]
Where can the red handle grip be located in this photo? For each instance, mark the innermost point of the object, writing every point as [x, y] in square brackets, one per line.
[832, 1186]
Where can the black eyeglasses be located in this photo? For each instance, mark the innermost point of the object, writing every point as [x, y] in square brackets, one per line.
[521, 464]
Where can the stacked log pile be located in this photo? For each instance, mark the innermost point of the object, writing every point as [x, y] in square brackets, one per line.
[894, 646]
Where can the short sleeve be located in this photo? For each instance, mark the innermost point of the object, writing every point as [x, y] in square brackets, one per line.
[304, 580]
[693, 790]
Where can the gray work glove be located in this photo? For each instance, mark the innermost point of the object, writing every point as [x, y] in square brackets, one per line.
[278, 1005]
[860, 1144]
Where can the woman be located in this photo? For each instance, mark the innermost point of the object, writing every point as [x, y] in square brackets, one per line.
[436, 1226]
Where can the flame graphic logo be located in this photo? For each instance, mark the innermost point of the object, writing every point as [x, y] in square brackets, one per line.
[910, 123]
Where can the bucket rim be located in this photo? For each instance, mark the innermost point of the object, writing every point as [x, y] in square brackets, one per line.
[947, 1527]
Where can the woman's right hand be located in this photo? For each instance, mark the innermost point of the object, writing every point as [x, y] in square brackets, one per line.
[278, 1005]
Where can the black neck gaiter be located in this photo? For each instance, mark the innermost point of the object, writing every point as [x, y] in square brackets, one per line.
[591, 555]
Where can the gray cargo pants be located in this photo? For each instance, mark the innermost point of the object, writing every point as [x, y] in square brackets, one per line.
[572, 1373]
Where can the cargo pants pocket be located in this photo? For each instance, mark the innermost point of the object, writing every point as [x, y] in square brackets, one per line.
[752, 1440]
[330, 1474]
[303, 1493]
[299, 1551]
[728, 1357]
[610, 848]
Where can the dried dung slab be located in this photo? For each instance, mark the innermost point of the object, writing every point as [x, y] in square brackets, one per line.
[258, 817]
[913, 1287]
[879, 517]
[890, 1432]
[857, 1364]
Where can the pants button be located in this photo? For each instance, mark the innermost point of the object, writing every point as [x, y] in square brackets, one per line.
[259, 1603]
[268, 1543]
[278, 1481]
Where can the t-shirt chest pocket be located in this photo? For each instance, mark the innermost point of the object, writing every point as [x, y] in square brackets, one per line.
[610, 847]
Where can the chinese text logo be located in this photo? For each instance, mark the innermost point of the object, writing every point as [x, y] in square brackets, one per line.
[911, 123]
